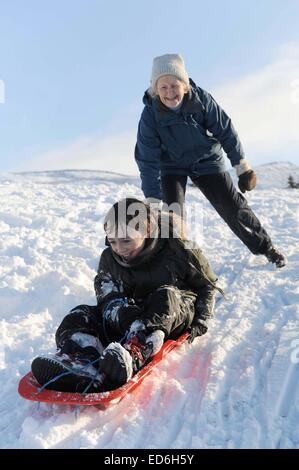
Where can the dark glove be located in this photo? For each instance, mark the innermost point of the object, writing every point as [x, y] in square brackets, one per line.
[197, 328]
[247, 181]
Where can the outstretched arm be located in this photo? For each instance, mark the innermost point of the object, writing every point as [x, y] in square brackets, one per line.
[221, 126]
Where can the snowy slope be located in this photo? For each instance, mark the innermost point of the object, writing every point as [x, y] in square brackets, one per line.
[235, 387]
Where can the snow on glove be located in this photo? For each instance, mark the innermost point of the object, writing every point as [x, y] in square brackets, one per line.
[247, 181]
[197, 329]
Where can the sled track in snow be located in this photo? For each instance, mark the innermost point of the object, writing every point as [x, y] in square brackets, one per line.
[250, 409]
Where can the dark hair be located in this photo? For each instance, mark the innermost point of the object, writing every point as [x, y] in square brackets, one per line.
[130, 214]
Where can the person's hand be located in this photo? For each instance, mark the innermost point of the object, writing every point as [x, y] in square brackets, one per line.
[247, 181]
[197, 329]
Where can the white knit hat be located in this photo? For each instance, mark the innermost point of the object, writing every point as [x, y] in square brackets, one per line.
[169, 64]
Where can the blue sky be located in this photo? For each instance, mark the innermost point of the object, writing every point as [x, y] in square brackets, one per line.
[73, 72]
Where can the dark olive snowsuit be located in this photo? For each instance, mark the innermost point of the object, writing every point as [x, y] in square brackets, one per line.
[174, 286]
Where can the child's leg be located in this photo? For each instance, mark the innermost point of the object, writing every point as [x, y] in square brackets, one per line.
[169, 309]
[75, 367]
[117, 317]
[168, 312]
[81, 330]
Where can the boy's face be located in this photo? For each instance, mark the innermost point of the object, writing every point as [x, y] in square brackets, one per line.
[171, 91]
[127, 248]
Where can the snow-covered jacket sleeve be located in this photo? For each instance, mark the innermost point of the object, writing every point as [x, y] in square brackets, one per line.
[220, 125]
[201, 279]
[204, 305]
[147, 155]
[106, 287]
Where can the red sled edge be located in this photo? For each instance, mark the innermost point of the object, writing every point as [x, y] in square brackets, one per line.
[29, 387]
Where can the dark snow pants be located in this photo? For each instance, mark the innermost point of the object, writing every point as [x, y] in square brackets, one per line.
[231, 205]
[168, 309]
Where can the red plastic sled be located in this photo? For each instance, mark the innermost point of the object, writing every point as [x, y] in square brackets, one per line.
[29, 387]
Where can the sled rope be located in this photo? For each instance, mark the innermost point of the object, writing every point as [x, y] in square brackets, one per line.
[53, 380]
[90, 384]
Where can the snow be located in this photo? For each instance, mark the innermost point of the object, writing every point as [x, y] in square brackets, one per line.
[236, 387]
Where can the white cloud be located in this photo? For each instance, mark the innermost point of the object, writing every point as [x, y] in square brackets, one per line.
[110, 153]
[264, 106]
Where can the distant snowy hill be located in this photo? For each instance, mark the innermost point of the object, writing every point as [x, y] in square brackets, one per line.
[275, 175]
[69, 176]
[236, 387]
[270, 175]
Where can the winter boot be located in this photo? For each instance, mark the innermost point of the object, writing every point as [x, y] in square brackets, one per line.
[274, 256]
[68, 372]
[119, 363]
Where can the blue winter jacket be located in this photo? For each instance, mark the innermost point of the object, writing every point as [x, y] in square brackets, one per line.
[185, 142]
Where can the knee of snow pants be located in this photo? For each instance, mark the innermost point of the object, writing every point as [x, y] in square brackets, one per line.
[117, 321]
[81, 319]
[169, 309]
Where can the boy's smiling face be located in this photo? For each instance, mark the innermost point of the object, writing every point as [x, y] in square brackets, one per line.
[127, 248]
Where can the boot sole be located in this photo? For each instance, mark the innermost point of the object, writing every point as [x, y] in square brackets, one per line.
[46, 369]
